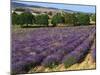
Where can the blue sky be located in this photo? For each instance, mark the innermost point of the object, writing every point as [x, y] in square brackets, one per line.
[81, 8]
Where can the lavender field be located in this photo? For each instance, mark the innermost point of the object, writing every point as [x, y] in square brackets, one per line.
[37, 49]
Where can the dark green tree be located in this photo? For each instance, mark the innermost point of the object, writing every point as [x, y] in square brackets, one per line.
[74, 19]
[70, 18]
[42, 19]
[83, 19]
[15, 18]
[57, 19]
[20, 9]
[50, 13]
[93, 17]
[26, 18]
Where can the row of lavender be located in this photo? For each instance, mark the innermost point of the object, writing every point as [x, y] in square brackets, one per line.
[50, 47]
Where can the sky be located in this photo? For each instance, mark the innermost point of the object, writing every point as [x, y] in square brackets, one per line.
[74, 7]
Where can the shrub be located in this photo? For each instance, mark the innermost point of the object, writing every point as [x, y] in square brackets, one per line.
[52, 60]
[69, 60]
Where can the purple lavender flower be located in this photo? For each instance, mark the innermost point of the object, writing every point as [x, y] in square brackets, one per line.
[52, 60]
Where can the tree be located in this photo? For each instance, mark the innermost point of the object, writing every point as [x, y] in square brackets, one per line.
[42, 19]
[26, 18]
[93, 17]
[83, 19]
[50, 13]
[56, 19]
[70, 18]
[20, 9]
[15, 18]
[74, 19]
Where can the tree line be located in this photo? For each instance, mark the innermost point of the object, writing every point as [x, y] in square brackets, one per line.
[28, 19]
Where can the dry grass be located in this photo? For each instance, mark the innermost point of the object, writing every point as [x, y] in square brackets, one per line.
[86, 64]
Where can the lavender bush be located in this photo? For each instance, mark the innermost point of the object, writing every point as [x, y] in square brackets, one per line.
[50, 46]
